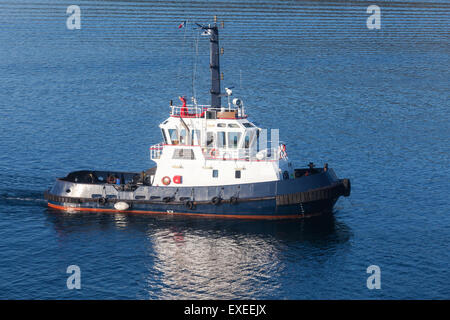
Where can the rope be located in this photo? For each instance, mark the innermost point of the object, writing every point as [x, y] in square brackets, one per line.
[179, 74]
[194, 69]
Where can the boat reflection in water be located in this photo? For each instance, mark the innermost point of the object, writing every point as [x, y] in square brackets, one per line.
[202, 258]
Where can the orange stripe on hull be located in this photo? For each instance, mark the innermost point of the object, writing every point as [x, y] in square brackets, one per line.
[54, 206]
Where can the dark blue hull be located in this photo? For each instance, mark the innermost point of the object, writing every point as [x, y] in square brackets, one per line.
[263, 209]
[303, 196]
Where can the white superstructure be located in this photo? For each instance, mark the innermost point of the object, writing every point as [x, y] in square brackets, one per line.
[206, 146]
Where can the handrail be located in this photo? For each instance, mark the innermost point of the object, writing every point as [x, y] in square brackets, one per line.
[235, 154]
[198, 111]
[189, 111]
[156, 151]
[244, 154]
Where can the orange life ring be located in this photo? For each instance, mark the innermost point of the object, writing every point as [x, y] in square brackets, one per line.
[165, 180]
[212, 153]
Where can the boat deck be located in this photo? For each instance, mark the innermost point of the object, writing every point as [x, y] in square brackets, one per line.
[111, 177]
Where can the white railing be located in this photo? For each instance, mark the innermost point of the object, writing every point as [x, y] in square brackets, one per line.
[235, 154]
[198, 111]
[190, 111]
[244, 154]
[156, 151]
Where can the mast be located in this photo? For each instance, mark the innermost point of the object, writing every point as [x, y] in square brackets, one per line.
[214, 66]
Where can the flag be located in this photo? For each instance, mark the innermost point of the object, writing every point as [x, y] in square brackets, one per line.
[183, 24]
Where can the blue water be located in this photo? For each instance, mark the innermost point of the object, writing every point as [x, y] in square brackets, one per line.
[374, 104]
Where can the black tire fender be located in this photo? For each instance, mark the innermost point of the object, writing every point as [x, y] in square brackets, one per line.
[189, 205]
[216, 200]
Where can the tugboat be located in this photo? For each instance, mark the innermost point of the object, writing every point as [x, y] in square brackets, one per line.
[212, 162]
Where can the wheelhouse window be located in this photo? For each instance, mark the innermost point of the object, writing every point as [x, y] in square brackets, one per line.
[173, 134]
[233, 125]
[221, 140]
[248, 124]
[195, 137]
[215, 173]
[248, 139]
[185, 154]
[221, 125]
[183, 136]
[210, 139]
[164, 136]
[233, 139]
